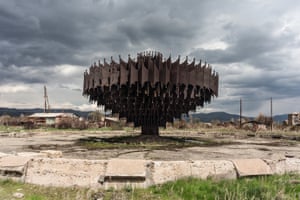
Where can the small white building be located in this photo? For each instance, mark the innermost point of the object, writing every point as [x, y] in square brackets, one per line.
[294, 119]
[50, 118]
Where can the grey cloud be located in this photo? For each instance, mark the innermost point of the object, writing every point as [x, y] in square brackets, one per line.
[68, 87]
[13, 74]
[50, 35]
[51, 32]
[251, 45]
[37, 35]
[259, 48]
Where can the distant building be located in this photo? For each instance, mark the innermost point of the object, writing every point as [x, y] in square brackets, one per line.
[50, 118]
[294, 119]
[109, 121]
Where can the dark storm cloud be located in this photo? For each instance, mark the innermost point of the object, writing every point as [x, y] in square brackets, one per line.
[35, 75]
[14, 74]
[45, 33]
[68, 87]
[261, 54]
[153, 32]
[250, 45]
[41, 39]
[48, 31]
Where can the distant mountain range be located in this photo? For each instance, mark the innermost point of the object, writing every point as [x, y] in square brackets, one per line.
[204, 117]
[223, 116]
[17, 112]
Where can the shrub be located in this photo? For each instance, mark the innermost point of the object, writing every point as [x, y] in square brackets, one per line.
[79, 124]
[74, 123]
[263, 119]
[7, 120]
[28, 125]
[180, 124]
[64, 123]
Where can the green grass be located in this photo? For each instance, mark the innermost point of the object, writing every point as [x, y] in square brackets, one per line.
[53, 129]
[266, 187]
[11, 128]
[278, 187]
[34, 192]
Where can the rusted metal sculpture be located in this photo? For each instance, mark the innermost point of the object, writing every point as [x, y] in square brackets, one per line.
[149, 91]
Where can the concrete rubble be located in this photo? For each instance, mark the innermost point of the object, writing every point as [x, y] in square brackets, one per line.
[51, 153]
[18, 195]
[49, 169]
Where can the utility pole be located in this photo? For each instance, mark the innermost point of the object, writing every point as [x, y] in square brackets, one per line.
[241, 113]
[271, 109]
[47, 105]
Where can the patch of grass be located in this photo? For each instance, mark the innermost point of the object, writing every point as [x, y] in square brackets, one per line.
[11, 128]
[266, 187]
[34, 197]
[105, 128]
[34, 192]
[49, 129]
[128, 129]
[147, 142]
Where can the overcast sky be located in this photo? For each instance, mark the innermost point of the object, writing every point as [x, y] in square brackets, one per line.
[253, 44]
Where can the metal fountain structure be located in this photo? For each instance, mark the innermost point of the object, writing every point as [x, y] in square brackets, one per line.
[150, 90]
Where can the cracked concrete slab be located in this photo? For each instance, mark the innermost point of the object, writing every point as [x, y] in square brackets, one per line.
[13, 167]
[122, 172]
[65, 172]
[120, 167]
[217, 169]
[126, 167]
[251, 167]
[118, 173]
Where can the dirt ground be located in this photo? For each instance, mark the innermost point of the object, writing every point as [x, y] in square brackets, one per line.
[223, 147]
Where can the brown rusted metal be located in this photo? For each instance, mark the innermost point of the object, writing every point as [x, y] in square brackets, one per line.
[149, 91]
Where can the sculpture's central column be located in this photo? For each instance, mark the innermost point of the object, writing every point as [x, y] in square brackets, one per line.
[149, 130]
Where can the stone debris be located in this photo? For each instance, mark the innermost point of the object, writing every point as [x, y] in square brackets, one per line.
[3, 154]
[30, 154]
[18, 195]
[52, 153]
[292, 165]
